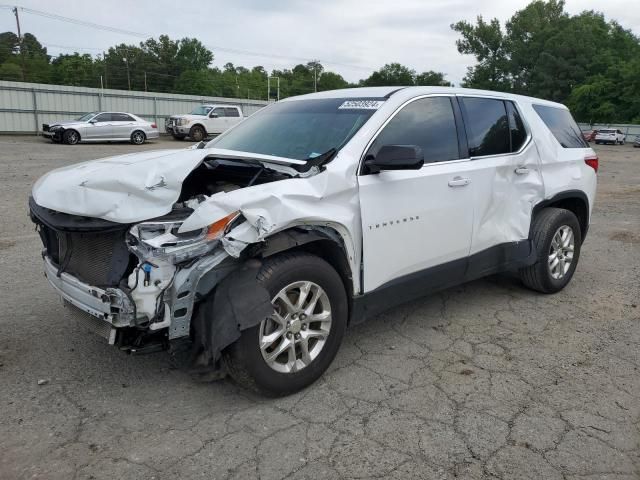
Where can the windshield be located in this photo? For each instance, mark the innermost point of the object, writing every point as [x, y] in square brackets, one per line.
[299, 129]
[86, 117]
[201, 110]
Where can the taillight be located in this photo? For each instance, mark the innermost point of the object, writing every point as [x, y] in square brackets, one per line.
[153, 125]
[592, 161]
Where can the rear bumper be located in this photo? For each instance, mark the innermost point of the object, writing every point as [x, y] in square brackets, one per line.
[109, 306]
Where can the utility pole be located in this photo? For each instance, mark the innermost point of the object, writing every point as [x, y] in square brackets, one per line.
[126, 62]
[15, 12]
[145, 81]
[315, 78]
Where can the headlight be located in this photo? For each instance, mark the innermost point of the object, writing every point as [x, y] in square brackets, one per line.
[162, 240]
[181, 121]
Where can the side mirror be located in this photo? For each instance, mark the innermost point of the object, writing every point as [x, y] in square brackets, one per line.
[395, 157]
[93, 120]
[213, 115]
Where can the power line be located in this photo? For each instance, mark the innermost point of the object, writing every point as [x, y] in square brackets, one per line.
[144, 35]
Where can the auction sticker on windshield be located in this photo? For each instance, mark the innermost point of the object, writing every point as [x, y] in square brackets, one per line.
[362, 104]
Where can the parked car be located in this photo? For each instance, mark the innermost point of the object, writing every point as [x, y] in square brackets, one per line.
[262, 246]
[589, 135]
[636, 142]
[203, 121]
[101, 127]
[610, 135]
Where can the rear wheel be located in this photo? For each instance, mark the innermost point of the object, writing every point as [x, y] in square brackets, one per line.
[71, 137]
[197, 133]
[557, 239]
[138, 137]
[291, 349]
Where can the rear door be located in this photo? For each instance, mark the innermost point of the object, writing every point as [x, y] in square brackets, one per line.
[100, 128]
[506, 174]
[233, 116]
[122, 125]
[417, 224]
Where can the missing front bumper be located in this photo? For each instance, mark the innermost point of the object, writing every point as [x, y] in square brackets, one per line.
[110, 306]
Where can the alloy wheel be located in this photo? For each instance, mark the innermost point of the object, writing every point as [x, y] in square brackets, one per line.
[293, 337]
[561, 252]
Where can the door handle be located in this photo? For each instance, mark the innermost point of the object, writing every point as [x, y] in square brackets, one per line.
[521, 171]
[459, 182]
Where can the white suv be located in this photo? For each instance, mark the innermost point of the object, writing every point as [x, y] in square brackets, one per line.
[315, 213]
[203, 121]
[610, 135]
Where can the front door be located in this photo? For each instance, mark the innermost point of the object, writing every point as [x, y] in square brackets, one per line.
[100, 128]
[417, 224]
[217, 122]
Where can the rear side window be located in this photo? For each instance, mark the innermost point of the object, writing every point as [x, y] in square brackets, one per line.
[428, 123]
[121, 117]
[487, 126]
[219, 111]
[231, 112]
[518, 132]
[562, 125]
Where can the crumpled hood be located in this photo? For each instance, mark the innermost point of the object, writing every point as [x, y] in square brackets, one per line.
[65, 123]
[124, 189]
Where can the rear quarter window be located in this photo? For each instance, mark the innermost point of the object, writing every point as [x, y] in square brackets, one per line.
[562, 125]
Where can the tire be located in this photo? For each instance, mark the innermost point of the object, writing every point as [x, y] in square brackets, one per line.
[547, 224]
[197, 133]
[244, 359]
[179, 137]
[138, 137]
[71, 137]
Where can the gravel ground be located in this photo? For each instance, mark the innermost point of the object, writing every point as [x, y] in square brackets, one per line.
[486, 380]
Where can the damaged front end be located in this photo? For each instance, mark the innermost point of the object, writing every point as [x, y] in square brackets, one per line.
[138, 284]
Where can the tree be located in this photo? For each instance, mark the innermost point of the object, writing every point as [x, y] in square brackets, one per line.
[486, 42]
[331, 81]
[389, 75]
[432, 78]
[542, 51]
[75, 69]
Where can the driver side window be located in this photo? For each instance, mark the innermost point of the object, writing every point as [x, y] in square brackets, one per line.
[428, 123]
[103, 117]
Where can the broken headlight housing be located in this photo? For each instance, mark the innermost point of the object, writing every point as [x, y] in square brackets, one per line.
[161, 239]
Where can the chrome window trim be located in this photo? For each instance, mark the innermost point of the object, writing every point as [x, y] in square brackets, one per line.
[391, 117]
[522, 117]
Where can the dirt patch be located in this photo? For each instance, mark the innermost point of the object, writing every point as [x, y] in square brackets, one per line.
[4, 244]
[625, 236]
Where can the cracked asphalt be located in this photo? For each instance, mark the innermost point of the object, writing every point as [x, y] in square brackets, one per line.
[486, 380]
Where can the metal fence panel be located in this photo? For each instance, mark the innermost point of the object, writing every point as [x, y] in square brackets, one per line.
[25, 106]
[630, 130]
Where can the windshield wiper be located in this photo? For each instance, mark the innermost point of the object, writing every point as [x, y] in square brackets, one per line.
[318, 161]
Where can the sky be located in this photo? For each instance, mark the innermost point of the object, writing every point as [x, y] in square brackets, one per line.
[350, 37]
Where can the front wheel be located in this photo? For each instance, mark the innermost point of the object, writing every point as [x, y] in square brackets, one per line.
[71, 137]
[197, 133]
[556, 239]
[291, 349]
